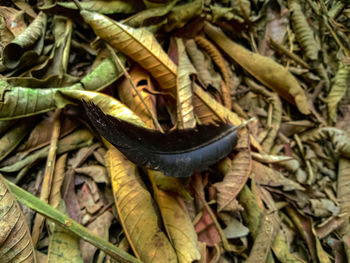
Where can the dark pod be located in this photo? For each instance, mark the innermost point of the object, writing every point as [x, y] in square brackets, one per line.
[178, 153]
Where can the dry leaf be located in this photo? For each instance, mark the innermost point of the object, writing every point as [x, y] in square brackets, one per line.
[16, 242]
[129, 97]
[266, 70]
[177, 223]
[139, 44]
[235, 178]
[184, 93]
[136, 211]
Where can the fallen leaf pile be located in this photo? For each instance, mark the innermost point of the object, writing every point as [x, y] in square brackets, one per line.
[283, 193]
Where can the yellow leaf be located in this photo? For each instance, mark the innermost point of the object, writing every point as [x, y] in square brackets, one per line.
[128, 95]
[136, 210]
[107, 104]
[184, 93]
[139, 44]
[177, 223]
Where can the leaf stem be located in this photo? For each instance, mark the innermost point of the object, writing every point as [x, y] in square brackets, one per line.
[69, 224]
[117, 60]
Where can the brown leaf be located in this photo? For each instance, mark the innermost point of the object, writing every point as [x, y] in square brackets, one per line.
[16, 242]
[207, 231]
[235, 178]
[100, 227]
[40, 136]
[266, 70]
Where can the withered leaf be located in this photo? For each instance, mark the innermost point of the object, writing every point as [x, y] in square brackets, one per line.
[16, 242]
[136, 211]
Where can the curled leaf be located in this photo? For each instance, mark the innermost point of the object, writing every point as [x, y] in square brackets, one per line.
[303, 31]
[338, 90]
[19, 102]
[129, 97]
[32, 37]
[340, 140]
[219, 61]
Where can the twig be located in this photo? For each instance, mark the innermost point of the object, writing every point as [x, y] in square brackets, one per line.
[70, 225]
[49, 170]
[76, 2]
[116, 59]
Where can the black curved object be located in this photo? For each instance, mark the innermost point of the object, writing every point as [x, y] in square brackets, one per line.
[178, 153]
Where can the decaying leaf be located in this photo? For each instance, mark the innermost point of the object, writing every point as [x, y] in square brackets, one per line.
[103, 75]
[218, 109]
[303, 31]
[73, 141]
[267, 176]
[270, 73]
[13, 137]
[181, 14]
[219, 61]
[264, 239]
[198, 60]
[101, 6]
[19, 102]
[15, 239]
